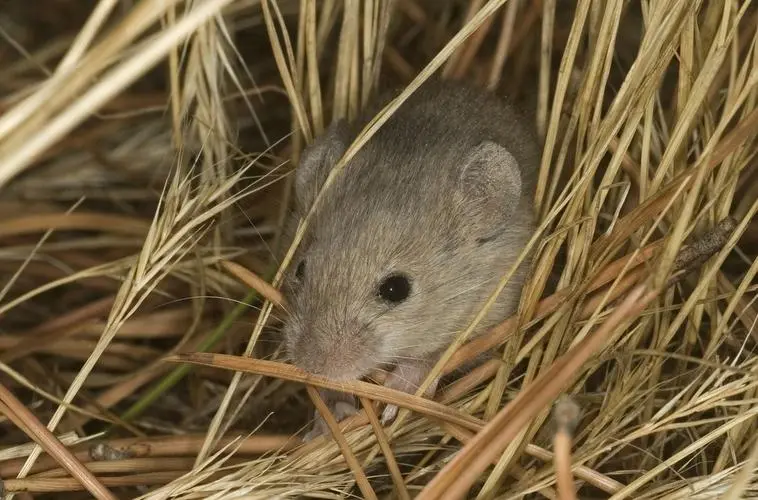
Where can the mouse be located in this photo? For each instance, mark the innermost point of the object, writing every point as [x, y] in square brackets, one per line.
[410, 240]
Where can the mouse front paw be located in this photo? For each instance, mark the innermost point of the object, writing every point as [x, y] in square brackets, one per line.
[341, 405]
[318, 428]
[407, 379]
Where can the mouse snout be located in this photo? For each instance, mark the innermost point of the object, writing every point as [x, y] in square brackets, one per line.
[318, 365]
[338, 356]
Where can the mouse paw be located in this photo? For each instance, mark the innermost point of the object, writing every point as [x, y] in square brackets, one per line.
[319, 428]
[406, 379]
[341, 405]
[343, 409]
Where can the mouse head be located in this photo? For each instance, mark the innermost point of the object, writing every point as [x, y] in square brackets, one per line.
[400, 253]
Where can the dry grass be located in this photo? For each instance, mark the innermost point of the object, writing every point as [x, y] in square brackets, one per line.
[144, 152]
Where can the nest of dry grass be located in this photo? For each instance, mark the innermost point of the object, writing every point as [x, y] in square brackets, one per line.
[144, 153]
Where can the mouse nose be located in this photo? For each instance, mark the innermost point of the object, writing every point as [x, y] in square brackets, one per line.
[310, 356]
[312, 364]
[327, 359]
[324, 367]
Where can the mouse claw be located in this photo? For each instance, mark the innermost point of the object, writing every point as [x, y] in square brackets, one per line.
[389, 414]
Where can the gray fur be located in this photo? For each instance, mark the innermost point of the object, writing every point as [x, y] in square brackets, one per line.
[316, 162]
[443, 193]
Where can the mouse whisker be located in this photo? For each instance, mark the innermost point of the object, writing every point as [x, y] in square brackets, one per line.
[216, 297]
[404, 379]
[396, 358]
[469, 289]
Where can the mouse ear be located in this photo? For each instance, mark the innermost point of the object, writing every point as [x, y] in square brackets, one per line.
[490, 184]
[317, 160]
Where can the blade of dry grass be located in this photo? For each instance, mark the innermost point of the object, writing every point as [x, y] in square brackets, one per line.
[59, 485]
[361, 389]
[566, 414]
[381, 438]
[592, 477]
[500, 333]
[30, 224]
[56, 329]
[334, 429]
[162, 250]
[745, 476]
[22, 417]
[503, 44]
[458, 476]
[173, 378]
[743, 131]
[156, 447]
[14, 161]
[255, 282]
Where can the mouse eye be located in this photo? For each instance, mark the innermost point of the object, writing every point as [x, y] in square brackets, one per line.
[395, 288]
[300, 271]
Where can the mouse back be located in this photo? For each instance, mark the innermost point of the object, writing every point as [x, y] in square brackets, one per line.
[440, 116]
